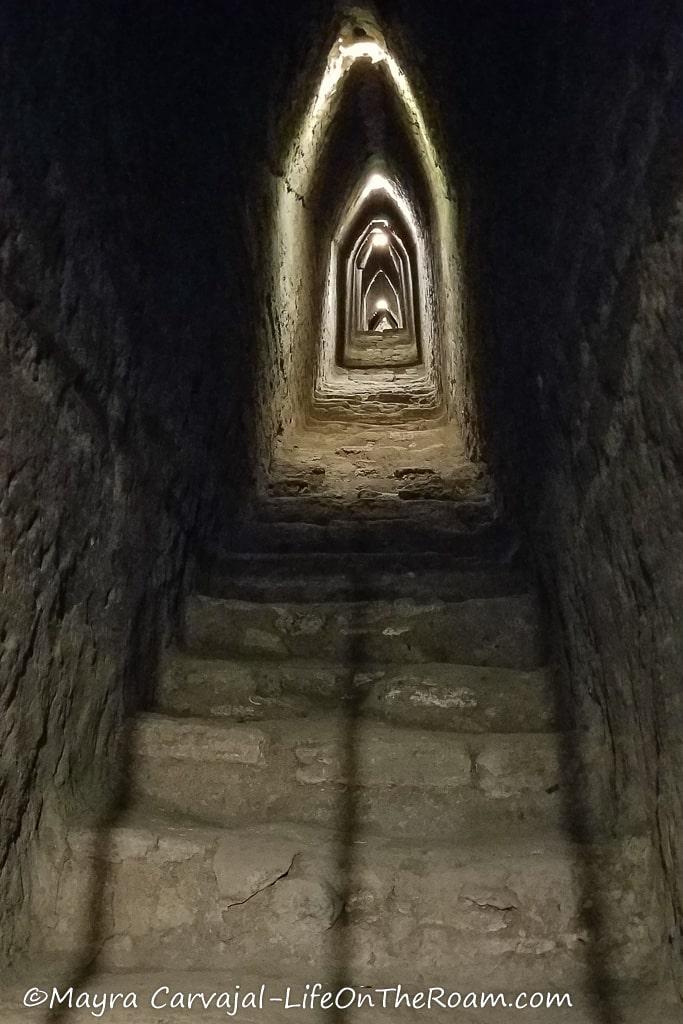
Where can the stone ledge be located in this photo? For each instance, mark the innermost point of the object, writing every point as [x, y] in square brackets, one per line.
[181, 896]
[440, 696]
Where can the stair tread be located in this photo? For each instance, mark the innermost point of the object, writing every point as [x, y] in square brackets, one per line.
[419, 560]
[311, 576]
[435, 667]
[399, 604]
[415, 758]
[498, 630]
[405, 778]
[324, 726]
[370, 537]
[396, 779]
[501, 905]
[373, 505]
[435, 695]
[145, 822]
[357, 524]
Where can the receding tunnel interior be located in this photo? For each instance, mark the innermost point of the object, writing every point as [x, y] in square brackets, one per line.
[341, 504]
[366, 223]
[376, 311]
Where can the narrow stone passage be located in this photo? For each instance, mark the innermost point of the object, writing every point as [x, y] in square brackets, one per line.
[354, 770]
[341, 509]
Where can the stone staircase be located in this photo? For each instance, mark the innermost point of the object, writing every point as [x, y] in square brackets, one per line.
[354, 772]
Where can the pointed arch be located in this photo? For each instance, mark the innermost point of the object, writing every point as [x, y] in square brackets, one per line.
[379, 288]
[373, 212]
[305, 330]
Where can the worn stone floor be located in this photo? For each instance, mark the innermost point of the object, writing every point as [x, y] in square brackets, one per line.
[390, 395]
[351, 461]
[354, 769]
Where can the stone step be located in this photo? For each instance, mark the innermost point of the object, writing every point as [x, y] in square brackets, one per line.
[369, 491]
[374, 535]
[347, 772]
[404, 399]
[370, 504]
[323, 577]
[499, 631]
[459, 698]
[335, 462]
[183, 897]
[390, 407]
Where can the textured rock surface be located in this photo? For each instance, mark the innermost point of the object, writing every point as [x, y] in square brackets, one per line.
[135, 217]
[496, 631]
[581, 346]
[183, 897]
[436, 695]
[329, 833]
[111, 359]
[408, 782]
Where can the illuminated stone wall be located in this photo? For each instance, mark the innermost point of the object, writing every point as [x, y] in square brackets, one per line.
[338, 153]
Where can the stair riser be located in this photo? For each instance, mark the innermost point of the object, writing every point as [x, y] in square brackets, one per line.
[200, 901]
[430, 496]
[495, 632]
[236, 795]
[387, 535]
[310, 563]
[300, 580]
[452, 698]
[408, 783]
[448, 511]
[357, 413]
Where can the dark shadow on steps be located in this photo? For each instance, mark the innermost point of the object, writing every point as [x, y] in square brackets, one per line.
[349, 824]
[93, 931]
[579, 826]
[142, 665]
[93, 920]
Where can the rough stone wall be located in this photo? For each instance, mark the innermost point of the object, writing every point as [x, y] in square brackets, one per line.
[290, 292]
[135, 177]
[569, 121]
[124, 369]
[609, 385]
[289, 58]
[437, 46]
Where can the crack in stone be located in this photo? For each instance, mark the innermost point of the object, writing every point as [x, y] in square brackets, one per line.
[240, 903]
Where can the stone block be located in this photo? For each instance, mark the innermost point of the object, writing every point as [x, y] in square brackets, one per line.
[245, 865]
[158, 737]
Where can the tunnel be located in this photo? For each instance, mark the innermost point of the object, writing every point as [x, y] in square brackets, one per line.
[341, 511]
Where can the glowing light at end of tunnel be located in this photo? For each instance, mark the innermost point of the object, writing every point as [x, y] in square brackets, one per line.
[293, 244]
[364, 48]
[381, 304]
[375, 183]
[380, 240]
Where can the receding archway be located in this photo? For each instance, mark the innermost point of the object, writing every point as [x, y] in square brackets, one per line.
[376, 308]
[323, 188]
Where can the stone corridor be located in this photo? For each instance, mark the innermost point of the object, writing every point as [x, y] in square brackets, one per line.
[341, 499]
[355, 769]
